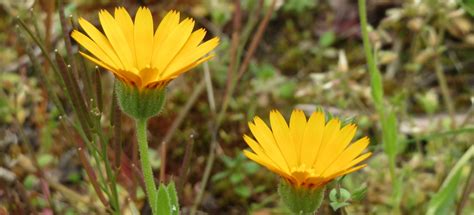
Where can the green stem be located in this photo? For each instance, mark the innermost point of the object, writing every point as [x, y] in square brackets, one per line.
[146, 167]
[387, 116]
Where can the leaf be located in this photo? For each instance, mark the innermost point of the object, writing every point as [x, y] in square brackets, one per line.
[327, 39]
[359, 193]
[287, 89]
[30, 181]
[251, 167]
[468, 5]
[243, 191]
[299, 6]
[173, 198]
[344, 196]
[228, 162]
[339, 198]
[389, 128]
[236, 177]
[45, 159]
[164, 206]
[219, 176]
[337, 205]
[443, 200]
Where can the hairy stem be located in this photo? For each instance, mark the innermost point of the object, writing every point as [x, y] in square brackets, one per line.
[146, 166]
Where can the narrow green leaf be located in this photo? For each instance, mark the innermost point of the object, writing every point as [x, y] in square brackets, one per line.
[360, 193]
[468, 5]
[443, 200]
[389, 127]
[173, 198]
[163, 204]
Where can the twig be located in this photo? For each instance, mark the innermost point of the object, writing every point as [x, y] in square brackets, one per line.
[177, 122]
[184, 111]
[70, 194]
[207, 171]
[209, 88]
[76, 104]
[236, 24]
[253, 46]
[98, 90]
[215, 125]
[67, 40]
[116, 124]
[92, 177]
[164, 145]
[184, 170]
[212, 149]
[48, 23]
[256, 40]
[445, 92]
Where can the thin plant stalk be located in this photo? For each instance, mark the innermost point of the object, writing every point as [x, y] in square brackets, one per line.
[215, 125]
[387, 116]
[146, 165]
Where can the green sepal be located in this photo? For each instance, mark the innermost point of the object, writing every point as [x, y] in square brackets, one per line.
[301, 200]
[139, 103]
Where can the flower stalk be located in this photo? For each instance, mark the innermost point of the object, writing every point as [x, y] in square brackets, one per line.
[145, 162]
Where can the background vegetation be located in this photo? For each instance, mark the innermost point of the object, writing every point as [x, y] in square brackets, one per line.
[59, 120]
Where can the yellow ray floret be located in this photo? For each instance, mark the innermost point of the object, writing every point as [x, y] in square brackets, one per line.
[308, 153]
[140, 55]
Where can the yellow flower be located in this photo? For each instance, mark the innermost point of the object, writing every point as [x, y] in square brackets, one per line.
[306, 153]
[140, 57]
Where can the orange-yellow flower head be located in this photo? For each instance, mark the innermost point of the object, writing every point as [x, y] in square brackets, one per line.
[140, 55]
[307, 153]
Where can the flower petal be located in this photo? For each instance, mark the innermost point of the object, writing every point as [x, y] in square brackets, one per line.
[297, 127]
[312, 138]
[125, 22]
[101, 41]
[93, 48]
[100, 63]
[347, 156]
[281, 132]
[123, 74]
[143, 35]
[117, 40]
[267, 164]
[257, 148]
[171, 45]
[334, 148]
[345, 172]
[265, 138]
[178, 61]
[169, 22]
[330, 133]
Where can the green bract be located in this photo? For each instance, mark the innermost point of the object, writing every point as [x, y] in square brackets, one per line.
[301, 200]
[139, 103]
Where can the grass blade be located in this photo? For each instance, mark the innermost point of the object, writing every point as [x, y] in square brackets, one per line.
[443, 201]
